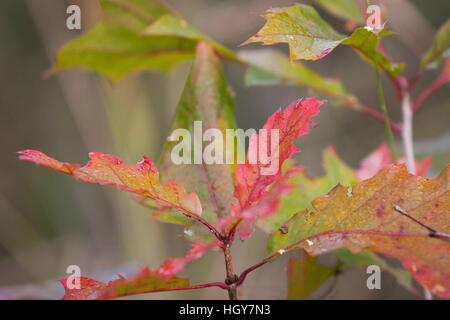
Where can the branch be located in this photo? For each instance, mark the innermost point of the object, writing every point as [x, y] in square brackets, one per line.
[232, 279]
[267, 259]
[219, 236]
[379, 117]
[431, 232]
[428, 91]
[407, 133]
[398, 81]
[383, 107]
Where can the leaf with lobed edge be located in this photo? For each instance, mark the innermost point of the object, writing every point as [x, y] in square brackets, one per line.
[251, 183]
[145, 281]
[141, 179]
[366, 219]
[440, 49]
[311, 38]
[206, 97]
[134, 35]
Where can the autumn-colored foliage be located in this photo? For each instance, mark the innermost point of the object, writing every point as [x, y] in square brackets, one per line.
[386, 207]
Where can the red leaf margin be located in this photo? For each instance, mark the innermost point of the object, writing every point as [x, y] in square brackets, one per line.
[145, 281]
[141, 178]
[251, 185]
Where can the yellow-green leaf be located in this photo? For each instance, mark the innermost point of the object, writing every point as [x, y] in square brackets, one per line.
[365, 42]
[207, 98]
[311, 38]
[133, 35]
[171, 25]
[308, 35]
[269, 66]
[440, 48]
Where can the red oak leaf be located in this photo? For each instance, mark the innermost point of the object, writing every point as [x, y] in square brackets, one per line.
[141, 178]
[267, 205]
[252, 179]
[381, 158]
[44, 160]
[89, 289]
[144, 281]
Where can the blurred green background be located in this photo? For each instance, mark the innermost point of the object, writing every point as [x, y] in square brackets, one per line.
[48, 221]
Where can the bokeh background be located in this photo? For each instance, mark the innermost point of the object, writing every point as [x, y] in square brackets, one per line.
[48, 221]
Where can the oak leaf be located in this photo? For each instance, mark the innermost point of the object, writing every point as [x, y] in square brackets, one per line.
[366, 218]
[144, 281]
[141, 179]
[252, 183]
[311, 38]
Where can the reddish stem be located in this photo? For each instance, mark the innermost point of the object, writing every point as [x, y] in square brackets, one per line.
[244, 273]
[231, 278]
[202, 220]
[428, 91]
[378, 116]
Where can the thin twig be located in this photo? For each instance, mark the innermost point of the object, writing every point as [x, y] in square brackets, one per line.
[219, 236]
[267, 259]
[407, 133]
[383, 107]
[395, 127]
[431, 232]
[428, 91]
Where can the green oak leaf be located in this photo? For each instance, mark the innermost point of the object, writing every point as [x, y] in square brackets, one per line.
[311, 38]
[308, 35]
[133, 35]
[267, 67]
[365, 42]
[207, 98]
[171, 25]
[440, 48]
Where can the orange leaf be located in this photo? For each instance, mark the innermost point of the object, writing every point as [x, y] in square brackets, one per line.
[141, 178]
[44, 160]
